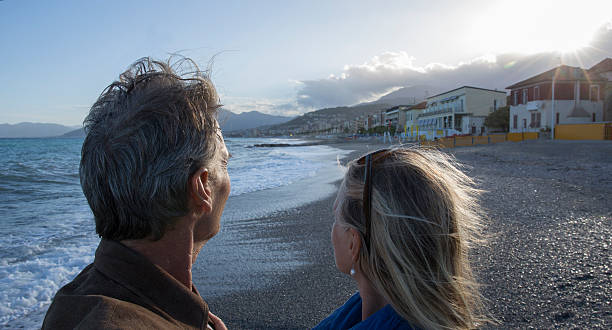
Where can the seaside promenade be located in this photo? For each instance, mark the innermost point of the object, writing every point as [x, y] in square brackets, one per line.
[547, 263]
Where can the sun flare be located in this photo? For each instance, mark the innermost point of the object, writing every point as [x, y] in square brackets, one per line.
[538, 26]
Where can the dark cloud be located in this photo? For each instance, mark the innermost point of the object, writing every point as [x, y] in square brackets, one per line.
[391, 70]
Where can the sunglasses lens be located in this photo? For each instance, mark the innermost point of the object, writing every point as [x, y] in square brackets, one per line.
[368, 161]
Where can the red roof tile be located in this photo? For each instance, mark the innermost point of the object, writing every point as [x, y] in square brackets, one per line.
[562, 73]
[603, 66]
[422, 105]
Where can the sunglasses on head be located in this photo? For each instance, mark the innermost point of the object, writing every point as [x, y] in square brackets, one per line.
[368, 162]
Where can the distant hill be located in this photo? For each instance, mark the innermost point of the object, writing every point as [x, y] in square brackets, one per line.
[33, 130]
[409, 95]
[334, 116]
[406, 95]
[77, 133]
[230, 121]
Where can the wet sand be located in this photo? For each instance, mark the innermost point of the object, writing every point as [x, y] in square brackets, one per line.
[548, 263]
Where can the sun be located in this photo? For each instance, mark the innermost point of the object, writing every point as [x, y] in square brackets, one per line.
[530, 27]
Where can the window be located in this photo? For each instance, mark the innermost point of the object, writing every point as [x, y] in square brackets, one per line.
[594, 96]
[593, 116]
[515, 122]
[557, 119]
[536, 93]
[584, 91]
[524, 123]
[494, 105]
[515, 100]
[524, 96]
[536, 117]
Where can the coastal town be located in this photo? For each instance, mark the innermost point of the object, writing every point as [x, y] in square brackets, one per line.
[565, 102]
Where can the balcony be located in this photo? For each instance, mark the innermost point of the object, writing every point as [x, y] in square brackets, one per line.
[437, 112]
[533, 105]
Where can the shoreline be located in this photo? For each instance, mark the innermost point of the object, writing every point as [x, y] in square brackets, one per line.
[546, 265]
[242, 251]
[307, 229]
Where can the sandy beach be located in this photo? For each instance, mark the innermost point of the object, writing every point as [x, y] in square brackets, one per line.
[547, 263]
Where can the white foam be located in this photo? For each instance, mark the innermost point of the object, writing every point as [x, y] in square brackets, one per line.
[257, 169]
[28, 286]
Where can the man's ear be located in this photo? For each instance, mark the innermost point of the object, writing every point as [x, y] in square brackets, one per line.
[355, 244]
[200, 192]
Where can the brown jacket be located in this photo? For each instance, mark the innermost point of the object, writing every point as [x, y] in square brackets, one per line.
[123, 290]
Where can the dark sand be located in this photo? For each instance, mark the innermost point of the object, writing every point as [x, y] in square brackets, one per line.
[548, 263]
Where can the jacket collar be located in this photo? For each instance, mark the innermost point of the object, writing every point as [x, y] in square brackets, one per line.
[158, 288]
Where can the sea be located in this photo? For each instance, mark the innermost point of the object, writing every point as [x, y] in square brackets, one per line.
[47, 232]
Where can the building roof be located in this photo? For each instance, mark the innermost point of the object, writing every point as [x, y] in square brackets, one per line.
[400, 106]
[561, 73]
[397, 108]
[420, 106]
[603, 66]
[472, 87]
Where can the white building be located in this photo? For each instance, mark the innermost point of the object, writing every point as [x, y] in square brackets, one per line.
[459, 111]
[396, 117]
[412, 114]
[604, 69]
[578, 98]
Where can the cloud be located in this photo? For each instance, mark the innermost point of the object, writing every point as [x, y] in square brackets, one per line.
[392, 70]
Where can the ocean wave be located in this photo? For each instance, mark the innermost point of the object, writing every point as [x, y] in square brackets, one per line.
[48, 230]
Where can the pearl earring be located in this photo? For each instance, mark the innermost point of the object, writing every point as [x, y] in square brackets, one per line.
[352, 272]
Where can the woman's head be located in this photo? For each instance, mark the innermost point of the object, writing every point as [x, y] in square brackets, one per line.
[414, 240]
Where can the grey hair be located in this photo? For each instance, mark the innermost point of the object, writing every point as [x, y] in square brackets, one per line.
[147, 134]
[425, 217]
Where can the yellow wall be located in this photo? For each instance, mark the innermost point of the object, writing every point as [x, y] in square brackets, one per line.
[580, 132]
[496, 138]
[566, 132]
[481, 140]
[516, 137]
[463, 141]
[446, 142]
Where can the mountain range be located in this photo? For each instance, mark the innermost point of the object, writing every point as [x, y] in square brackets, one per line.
[228, 120]
[233, 122]
[406, 95]
[316, 120]
[33, 130]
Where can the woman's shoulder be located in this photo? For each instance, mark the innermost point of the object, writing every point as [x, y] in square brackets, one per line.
[348, 316]
[344, 317]
[385, 318]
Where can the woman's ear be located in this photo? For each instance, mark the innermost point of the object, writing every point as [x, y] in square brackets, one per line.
[200, 192]
[355, 245]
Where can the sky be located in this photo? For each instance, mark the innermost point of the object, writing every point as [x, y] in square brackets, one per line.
[287, 57]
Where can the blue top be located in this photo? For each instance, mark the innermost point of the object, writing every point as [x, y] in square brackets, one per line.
[349, 317]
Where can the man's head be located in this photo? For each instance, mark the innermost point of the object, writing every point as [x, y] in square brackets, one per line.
[147, 134]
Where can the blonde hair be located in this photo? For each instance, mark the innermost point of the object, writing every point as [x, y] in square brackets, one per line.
[424, 219]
